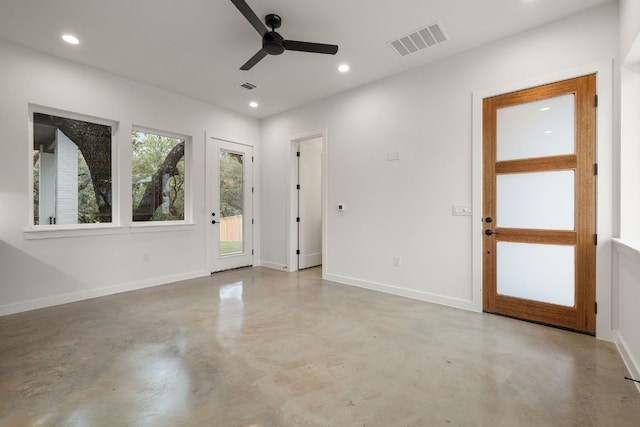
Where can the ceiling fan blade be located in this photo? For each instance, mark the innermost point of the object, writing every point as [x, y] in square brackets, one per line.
[329, 49]
[253, 19]
[254, 60]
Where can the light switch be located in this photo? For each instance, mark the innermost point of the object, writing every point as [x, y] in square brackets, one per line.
[461, 210]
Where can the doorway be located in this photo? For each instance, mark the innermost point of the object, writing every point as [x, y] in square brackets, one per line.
[539, 204]
[230, 217]
[309, 190]
[307, 201]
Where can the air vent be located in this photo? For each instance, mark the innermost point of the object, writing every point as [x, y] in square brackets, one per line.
[247, 86]
[428, 36]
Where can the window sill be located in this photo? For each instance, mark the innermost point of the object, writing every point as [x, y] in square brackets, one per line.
[153, 227]
[61, 231]
[630, 247]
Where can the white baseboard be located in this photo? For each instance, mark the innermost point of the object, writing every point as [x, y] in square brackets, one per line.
[274, 265]
[403, 292]
[35, 304]
[627, 357]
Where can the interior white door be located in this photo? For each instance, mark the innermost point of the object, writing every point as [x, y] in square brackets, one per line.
[310, 203]
[231, 195]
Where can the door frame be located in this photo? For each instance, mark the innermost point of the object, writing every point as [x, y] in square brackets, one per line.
[292, 197]
[209, 150]
[604, 181]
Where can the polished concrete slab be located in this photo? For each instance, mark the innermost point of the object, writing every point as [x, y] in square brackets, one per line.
[258, 347]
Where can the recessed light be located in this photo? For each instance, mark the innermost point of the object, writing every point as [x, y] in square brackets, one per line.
[545, 109]
[253, 104]
[343, 68]
[70, 39]
[548, 131]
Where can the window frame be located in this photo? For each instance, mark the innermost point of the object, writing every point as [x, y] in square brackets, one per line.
[163, 225]
[44, 231]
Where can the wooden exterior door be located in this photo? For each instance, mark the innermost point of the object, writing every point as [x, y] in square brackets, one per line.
[539, 204]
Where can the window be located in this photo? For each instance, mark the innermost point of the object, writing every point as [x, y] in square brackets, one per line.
[158, 176]
[72, 173]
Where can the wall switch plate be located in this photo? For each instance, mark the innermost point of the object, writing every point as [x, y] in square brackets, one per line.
[393, 155]
[461, 210]
[397, 260]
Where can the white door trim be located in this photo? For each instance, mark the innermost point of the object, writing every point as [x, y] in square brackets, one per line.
[292, 197]
[604, 143]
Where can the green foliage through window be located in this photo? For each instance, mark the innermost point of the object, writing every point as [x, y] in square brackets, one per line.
[231, 184]
[158, 177]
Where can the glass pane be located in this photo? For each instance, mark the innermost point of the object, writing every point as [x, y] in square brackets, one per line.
[71, 171]
[543, 273]
[231, 202]
[158, 178]
[536, 200]
[536, 129]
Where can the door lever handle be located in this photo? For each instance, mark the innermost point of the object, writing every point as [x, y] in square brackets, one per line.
[214, 222]
[489, 232]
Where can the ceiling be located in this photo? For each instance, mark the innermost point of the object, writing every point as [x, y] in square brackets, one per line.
[196, 47]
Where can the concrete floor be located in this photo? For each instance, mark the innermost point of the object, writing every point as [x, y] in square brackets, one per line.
[257, 347]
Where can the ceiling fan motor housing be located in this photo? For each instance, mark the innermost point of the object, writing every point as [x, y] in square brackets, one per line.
[273, 43]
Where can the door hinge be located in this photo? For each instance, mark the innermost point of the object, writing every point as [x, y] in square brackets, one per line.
[251, 159]
[297, 251]
[595, 239]
[251, 251]
[298, 154]
[298, 219]
[298, 187]
[596, 306]
[252, 189]
[252, 221]
[595, 169]
[596, 101]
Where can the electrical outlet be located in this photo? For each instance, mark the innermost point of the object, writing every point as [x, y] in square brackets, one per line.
[397, 260]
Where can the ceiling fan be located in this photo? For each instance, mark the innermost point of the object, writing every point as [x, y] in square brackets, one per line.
[272, 42]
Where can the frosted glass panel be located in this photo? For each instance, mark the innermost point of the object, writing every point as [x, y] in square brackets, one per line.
[543, 273]
[536, 129]
[536, 200]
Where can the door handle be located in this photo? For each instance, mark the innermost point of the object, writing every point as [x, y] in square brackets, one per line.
[214, 222]
[489, 232]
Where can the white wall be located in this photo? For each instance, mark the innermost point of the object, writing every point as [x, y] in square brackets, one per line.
[404, 207]
[626, 277]
[629, 27]
[626, 258]
[629, 113]
[88, 266]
